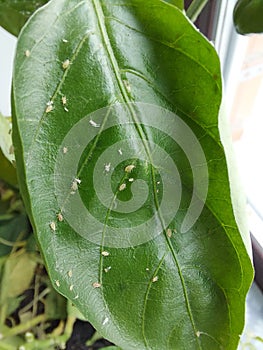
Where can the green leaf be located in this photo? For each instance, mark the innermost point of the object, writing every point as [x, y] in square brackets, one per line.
[186, 272]
[74, 312]
[11, 230]
[17, 274]
[55, 306]
[7, 171]
[14, 14]
[247, 16]
[5, 138]
[177, 3]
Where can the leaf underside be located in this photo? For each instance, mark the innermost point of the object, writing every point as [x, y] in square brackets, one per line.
[186, 291]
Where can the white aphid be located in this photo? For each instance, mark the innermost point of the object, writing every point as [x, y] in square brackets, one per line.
[66, 63]
[127, 85]
[169, 232]
[129, 168]
[96, 285]
[57, 283]
[65, 40]
[104, 253]
[71, 287]
[94, 124]
[106, 320]
[52, 226]
[120, 151]
[107, 269]
[122, 187]
[131, 179]
[75, 184]
[107, 167]
[27, 53]
[65, 149]
[64, 100]
[60, 217]
[70, 273]
[49, 108]
[155, 279]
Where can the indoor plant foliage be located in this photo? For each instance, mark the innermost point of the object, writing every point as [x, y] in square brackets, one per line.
[139, 66]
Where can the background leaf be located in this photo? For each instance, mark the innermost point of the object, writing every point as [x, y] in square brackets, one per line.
[14, 14]
[10, 230]
[247, 16]
[177, 3]
[101, 53]
[7, 158]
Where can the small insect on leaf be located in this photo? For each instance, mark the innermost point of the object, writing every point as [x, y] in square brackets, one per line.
[66, 64]
[106, 320]
[50, 106]
[127, 85]
[122, 187]
[155, 279]
[107, 269]
[75, 183]
[52, 225]
[129, 168]
[107, 167]
[64, 100]
[96, 285]
[27, 53]
[169, 233]
[60, 217]
[104, 253]
[65, 149]
[94, 124]
[57, 283]
[70, 273]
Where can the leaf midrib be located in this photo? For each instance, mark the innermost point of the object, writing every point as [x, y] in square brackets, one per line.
[116, 69]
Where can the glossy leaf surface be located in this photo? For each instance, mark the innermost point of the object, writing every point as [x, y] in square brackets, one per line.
[248, 16]
[85, 55]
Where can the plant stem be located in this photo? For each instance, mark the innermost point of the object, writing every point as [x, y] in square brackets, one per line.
[96, 336]
[195, 9]
[23, 327]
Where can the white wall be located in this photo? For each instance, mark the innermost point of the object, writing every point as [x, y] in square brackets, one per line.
[7, 52]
